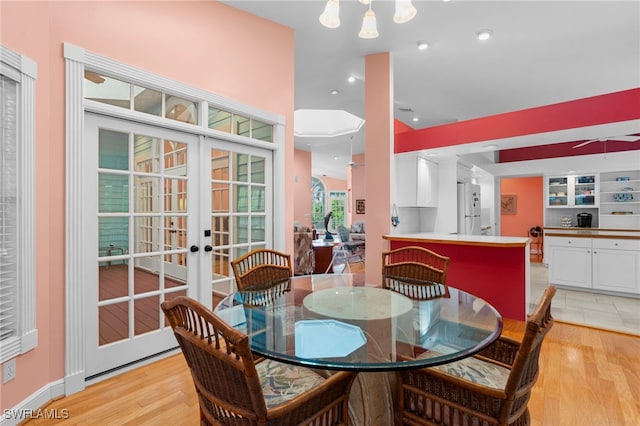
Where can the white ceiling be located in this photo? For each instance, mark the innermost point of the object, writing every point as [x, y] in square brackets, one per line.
[542, 52]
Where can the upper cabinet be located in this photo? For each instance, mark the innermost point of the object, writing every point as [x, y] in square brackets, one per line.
[572, 191]
[620, 200]
[417, 181]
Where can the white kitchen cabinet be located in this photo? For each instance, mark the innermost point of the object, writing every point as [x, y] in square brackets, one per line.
[417, 181]
[620, 200]
[616, 265]
[610, 264]
[578, 191]
[569, 261]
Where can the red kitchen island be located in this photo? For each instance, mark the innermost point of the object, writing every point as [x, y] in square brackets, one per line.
[493, 268]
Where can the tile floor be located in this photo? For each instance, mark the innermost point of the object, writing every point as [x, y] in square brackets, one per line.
[592, 309]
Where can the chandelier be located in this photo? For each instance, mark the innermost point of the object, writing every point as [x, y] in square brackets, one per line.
[330, 18]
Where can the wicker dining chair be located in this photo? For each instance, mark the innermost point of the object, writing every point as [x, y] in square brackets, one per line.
[235, 389]
[491, 388]
[415, 272]
[261, 268]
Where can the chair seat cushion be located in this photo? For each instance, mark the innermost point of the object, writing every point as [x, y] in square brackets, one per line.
[477, 371]
[283, 382]
[472, 369]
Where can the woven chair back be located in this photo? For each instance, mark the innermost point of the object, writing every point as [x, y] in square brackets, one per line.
[220, 361]
[525, 366]
[415, 264]
[261, 269]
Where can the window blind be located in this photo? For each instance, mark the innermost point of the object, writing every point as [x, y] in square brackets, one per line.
[18, 332]
[8, 208]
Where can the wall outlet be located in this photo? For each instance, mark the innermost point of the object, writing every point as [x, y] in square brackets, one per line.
[9, 370]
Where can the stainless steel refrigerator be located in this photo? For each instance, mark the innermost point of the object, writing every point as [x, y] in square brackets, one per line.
[469, 209]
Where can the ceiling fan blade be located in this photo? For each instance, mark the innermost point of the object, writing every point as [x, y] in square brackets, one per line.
[631, 138]
[580, 145]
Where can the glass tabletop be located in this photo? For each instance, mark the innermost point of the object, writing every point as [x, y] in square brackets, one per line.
[338, 322]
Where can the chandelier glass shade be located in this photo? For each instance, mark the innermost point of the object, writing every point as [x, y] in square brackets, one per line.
[369, 25]
[404, 11]
[330, 18]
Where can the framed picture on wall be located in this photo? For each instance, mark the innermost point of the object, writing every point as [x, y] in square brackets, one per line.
[359, 206]
[508, 203]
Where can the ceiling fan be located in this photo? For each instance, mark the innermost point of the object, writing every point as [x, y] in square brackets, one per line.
[626, 138]
[352, 163]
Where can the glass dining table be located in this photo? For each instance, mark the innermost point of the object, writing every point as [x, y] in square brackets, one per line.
[339, 322]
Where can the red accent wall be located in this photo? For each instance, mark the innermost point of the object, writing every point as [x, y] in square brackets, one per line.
[400, 127]
[564, 149]
[495, 274]
[602, 109]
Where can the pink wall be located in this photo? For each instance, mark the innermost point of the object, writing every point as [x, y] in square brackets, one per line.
[302, 187]
[333, 184]
[529, 205]
[358, 188]
[201, 43]
[378, 149]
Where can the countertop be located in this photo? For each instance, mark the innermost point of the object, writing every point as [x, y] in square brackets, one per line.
[592, 233]
[477, 240]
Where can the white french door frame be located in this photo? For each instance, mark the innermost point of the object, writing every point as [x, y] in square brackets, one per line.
[104, 357]
[76, 59]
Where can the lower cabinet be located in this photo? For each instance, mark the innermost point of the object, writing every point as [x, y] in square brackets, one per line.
[597, 263]
[569, 261]
[616, 265]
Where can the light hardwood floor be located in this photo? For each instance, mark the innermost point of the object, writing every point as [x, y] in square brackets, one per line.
[587, 377]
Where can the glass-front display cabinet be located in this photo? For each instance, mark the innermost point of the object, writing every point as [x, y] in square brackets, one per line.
[572, 190]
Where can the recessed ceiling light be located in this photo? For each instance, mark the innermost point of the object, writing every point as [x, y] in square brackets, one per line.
[484, 34]
[414, 119]
[336, 158]
[351, 79]
[334, 92]
[491, 147]
[423, 45]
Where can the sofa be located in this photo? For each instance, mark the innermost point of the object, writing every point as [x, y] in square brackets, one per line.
[357, 231]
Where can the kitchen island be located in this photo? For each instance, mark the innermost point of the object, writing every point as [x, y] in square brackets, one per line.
[491, 267]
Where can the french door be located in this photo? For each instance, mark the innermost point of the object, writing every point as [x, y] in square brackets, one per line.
[164, 213]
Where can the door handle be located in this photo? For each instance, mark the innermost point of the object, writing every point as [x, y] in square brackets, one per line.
[194, 248]
[208, 248]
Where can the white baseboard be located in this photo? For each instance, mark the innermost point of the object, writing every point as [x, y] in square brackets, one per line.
[33, 405]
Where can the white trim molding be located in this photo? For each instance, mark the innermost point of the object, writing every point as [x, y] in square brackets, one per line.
[77, 60]
[26, 71]
[32, 406]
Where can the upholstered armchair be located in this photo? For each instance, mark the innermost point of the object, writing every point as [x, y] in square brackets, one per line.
[303, 253]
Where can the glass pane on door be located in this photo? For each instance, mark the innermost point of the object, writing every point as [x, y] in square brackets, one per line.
[239, 188]
[142, 221]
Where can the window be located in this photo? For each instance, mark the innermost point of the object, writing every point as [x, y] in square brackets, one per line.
[318, 196]
[338, 201]
[17, 253]
[108, 90]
